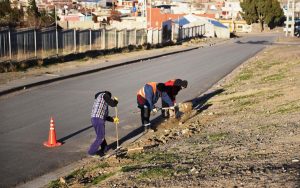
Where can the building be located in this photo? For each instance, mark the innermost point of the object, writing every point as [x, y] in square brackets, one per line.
[156, 16]
[213, 28]
[239, 26]
[231, 10]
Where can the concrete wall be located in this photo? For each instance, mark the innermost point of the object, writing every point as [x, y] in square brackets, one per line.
[221, 32]
[237, 26]
[209, 30]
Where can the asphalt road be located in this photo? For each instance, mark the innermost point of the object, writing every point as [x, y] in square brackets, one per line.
[24, 118]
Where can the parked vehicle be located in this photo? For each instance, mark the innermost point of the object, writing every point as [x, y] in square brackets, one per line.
[297, 27]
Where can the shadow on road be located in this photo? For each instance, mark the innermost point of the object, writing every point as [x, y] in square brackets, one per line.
[255, 42]
[62, 140]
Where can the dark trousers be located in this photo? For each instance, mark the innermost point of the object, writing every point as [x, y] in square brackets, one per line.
[99, 126]
[145, 114]
[164, 113]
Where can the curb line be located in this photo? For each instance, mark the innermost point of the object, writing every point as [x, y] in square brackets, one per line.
[31, 85]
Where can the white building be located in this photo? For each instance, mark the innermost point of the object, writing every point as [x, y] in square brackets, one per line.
[232, 9]
[213, 28]
[180, 8]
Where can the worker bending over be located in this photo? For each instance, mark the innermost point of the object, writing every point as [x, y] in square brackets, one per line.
[148, 96]
[172, 89]
[98, 117]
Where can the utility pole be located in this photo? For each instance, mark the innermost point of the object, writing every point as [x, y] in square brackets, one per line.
[145, 14]
[85, 11]
[232, 22]
[145, 8]
[150, 15]
[56, 33]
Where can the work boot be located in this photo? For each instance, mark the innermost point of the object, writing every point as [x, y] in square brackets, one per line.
[147, 126]
[96, 156]
[104, 147]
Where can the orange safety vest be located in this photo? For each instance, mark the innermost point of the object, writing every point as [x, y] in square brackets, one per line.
[141, 92]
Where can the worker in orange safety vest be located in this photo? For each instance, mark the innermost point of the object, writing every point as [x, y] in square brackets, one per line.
[172, 89]
[147, 96]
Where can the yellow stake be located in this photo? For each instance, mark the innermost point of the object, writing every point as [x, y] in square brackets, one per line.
[116, 114]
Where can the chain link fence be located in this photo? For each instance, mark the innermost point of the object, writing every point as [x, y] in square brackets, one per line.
[26, 44]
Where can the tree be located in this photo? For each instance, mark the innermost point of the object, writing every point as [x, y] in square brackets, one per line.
[9, 16]
[46, 19]
[33, 14]
[33, 9]
[262, 11]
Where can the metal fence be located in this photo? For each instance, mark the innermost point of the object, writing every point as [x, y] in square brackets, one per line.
[25, 44]
[5, 44]
[68, 41]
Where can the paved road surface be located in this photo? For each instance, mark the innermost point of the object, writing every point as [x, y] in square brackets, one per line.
[24, 118]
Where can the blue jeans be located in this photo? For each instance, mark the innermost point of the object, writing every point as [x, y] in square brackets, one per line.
[99, 126]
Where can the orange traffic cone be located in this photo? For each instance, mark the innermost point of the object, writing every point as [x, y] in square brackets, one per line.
[52, 136]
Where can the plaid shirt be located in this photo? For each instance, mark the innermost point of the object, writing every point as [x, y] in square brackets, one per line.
[100, 108]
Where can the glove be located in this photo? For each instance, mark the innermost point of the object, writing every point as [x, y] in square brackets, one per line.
[115, 98]
[154, 110]
[116, 120]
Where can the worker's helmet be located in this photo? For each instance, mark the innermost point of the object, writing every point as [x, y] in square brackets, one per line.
[181, 83]
[184, 83]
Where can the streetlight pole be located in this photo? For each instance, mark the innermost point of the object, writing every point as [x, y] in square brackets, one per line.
[150, 15]
[232, 23]
[85, 16]
[56, 33]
